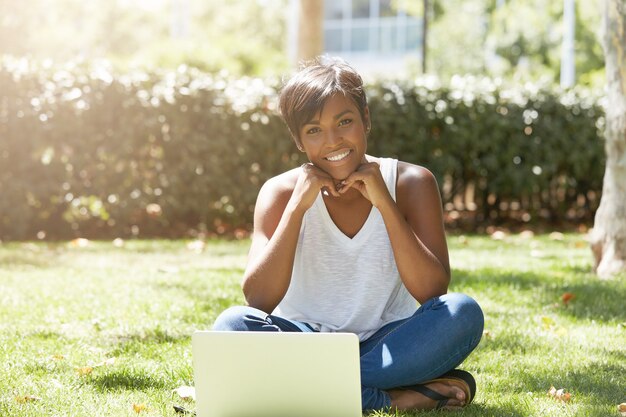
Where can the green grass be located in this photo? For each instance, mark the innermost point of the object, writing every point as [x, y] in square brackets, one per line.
[140, 303]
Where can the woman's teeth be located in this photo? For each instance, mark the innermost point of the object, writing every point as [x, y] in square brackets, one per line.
[338, 157]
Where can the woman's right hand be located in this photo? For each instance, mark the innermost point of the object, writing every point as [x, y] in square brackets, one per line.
[310, 181]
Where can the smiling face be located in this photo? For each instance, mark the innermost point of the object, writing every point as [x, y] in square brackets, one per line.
[335, 139]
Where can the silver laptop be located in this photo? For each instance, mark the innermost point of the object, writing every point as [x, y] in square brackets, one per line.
[266, 374]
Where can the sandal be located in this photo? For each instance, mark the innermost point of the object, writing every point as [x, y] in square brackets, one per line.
[468, 385]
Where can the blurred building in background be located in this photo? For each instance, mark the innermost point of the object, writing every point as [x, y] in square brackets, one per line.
[373, 35]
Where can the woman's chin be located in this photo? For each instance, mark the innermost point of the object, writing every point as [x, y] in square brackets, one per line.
[340, 173]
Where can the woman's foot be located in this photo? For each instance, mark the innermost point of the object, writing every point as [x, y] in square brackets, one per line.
[452, 390]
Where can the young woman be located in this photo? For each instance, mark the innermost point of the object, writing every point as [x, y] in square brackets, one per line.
[350, 242]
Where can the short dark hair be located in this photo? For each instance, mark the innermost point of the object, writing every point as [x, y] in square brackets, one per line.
[305, 94]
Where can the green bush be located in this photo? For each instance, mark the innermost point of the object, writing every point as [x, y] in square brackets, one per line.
[84, 152]
[525, 155]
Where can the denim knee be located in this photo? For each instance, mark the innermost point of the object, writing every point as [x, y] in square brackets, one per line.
[467, 310]
[234, 318]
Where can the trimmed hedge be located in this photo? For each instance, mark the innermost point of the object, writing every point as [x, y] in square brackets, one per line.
[84, 152]
[525, 155]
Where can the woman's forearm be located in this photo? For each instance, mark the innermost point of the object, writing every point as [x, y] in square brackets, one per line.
[422, 273]
[268, 273]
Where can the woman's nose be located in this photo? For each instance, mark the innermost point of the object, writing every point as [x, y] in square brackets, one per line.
[333, 137]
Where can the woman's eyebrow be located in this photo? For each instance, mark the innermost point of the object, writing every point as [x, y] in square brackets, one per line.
[336, 117]
[340, 115]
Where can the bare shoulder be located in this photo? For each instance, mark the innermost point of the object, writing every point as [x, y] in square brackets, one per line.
[271, 202]
[280, 186]
[416, 189]
[282, 183]
[413, 178]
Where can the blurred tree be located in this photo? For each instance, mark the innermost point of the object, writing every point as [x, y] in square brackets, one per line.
[608, 239]
[241, 36]
[509, 38]
[63, 29]
[310, 29]
[457, 37]
[568, 60]
[249, 34]
[526, 36]
[426, 10]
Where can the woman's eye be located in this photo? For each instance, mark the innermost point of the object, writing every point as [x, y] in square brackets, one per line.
[345, 122]
[312, 130]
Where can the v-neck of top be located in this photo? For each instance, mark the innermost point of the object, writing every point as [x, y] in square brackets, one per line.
[359, 237]
[388, 168]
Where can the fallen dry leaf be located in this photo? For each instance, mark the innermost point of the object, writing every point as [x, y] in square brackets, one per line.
[527, 234]
[498, 235]
[139, 408]
[535, 253]
[84, 370]
[196, 245]
[185, 392]
[567, 297]
[556, 236]
[169, 269]
[154, 210]
[57, 357]
[559, 394]
[622, 409]
[79, 243]
[26, 398]
[108, 362]
[561, 331]
[547, 322]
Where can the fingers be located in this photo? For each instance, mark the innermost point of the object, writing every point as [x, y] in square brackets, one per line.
[366, 175]
[330, 188]
[345, 185]
[364, 172]
[320, 179]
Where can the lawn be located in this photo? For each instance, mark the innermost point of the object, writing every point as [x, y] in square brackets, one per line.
[95, 329]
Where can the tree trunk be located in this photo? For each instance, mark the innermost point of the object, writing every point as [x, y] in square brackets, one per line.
[425, 37]
[608, 238]
[310, 29]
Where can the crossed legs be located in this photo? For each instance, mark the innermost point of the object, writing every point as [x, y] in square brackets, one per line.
[435, 339]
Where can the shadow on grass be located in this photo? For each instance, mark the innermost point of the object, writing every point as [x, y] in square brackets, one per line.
[206, 302]
[578, 269]
[601, 381]
[491, 277]
[10, 260]
[137, 342]
[513, 342]
[491, 410]
[44, 334]
[125, 379]
[474, 409]
[595, 299]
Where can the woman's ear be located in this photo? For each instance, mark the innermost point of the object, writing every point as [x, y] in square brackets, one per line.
[298, 144]
[366, 120]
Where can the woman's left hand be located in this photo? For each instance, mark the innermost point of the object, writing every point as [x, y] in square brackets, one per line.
[368, 180]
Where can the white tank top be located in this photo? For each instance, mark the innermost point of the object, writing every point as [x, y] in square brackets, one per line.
[342, 284]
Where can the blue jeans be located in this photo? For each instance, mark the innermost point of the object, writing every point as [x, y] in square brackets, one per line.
[435, 339]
